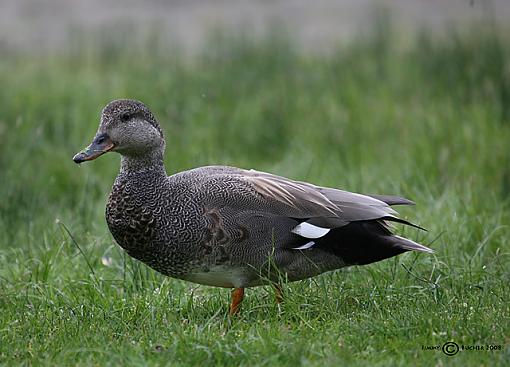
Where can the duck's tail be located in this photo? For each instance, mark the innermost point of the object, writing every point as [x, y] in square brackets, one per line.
[365, 242]
[409, 245]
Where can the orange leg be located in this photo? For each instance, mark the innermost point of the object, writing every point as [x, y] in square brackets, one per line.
[237, 298]
[278, 293]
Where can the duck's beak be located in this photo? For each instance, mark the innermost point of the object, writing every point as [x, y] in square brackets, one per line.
[100, 145]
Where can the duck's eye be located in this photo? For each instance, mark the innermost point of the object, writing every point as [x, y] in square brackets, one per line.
[125, 117]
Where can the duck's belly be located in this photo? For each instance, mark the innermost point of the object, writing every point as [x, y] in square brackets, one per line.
[226, 277]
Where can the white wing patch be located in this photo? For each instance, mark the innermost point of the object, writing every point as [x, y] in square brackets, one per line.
[308, 230]
[305, 246]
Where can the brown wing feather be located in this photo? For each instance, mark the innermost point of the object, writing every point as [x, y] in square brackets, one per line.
[293, 193]
[280, 196]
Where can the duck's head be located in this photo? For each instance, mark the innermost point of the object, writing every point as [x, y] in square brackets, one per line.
[127, 127]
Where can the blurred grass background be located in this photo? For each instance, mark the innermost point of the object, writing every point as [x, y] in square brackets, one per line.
[429, 121]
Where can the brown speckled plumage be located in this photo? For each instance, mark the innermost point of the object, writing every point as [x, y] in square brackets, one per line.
[222, 226]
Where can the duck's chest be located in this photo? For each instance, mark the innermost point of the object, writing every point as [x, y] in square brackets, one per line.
[156, 226]
[132, 219]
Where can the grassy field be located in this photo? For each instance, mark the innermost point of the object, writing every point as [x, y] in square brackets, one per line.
[429, 121]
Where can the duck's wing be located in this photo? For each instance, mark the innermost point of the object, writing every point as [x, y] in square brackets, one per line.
[331, 216]
[319, 206]
[306, 217]
[323, 206]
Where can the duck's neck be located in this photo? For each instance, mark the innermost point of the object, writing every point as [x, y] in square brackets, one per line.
[153, 162]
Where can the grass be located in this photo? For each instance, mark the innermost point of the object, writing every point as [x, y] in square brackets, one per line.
[430, 121]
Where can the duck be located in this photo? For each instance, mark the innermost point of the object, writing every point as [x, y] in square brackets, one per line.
[230, 227]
